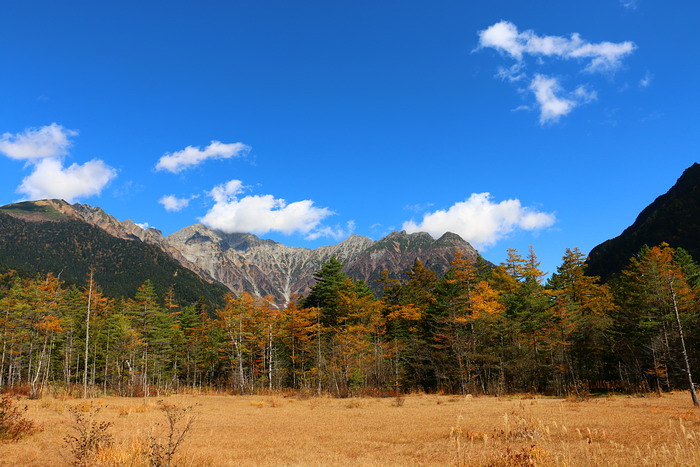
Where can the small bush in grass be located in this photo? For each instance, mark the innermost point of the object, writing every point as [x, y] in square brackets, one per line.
[91, 436]
[13, 424]
[399, 400]
[179, 422]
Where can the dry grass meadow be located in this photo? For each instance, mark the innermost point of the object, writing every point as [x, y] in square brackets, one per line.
[424, 430]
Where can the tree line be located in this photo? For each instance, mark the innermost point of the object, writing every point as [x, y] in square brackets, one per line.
[479, 329]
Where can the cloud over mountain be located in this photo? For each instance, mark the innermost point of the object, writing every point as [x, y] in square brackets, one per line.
[44, 148]
[481, 221]
[51, 180]
[260, 214]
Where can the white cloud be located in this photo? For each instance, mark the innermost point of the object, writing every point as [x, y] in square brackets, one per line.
[43, 148]
[503, 36]
[222, 193]
[630, 4]
[551, 106]
[260, 214]
[37, 143]
[191, 156]
[553, 101]
[143, 226]
[51, 180]
[173, 203]
[603, 56]
[481, 221]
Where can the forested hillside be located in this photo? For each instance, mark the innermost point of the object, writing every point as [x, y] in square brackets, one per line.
[673, 217]
[61, 245]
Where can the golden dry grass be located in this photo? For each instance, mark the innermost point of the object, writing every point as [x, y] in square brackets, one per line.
[426, 430]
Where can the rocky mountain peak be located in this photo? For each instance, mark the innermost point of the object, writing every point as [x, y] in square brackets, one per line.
[243, 241]
[196, 233]
[451, 238]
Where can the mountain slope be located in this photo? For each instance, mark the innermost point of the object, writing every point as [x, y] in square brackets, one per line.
[51, 236]
[673, 217]
[398, 251]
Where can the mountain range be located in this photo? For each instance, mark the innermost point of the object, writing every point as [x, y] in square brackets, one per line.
[55, 236]
[200, 262]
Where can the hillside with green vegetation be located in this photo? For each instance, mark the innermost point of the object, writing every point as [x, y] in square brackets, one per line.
[68, 247]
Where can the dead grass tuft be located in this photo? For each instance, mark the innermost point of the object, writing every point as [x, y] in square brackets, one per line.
[354, 404]
[532, 455]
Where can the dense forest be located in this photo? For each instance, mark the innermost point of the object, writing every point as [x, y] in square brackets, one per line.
[479, 329]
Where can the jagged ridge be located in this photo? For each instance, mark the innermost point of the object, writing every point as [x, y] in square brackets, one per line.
[246, 263]
[673, 217]
[243, 262]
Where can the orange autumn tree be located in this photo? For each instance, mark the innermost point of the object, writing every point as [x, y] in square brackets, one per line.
[299, 333]
[267, 321]
[236, 318]
[409, 325]
[467, 306]
[357, 347]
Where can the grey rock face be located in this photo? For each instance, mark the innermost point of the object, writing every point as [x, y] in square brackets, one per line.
[246, 263]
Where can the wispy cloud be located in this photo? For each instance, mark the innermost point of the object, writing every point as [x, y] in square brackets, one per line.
[418, 207]
[192, 156]
[260, 214]
[481, 221]
[645, 82]
[601, 56]
[553, 102]
[336, 232]
[550, 98]
[512, 73]
[630, 4]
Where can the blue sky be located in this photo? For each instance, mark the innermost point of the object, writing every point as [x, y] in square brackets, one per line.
[362, 116]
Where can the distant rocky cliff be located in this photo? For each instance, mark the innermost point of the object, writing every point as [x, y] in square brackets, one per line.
[244, 262]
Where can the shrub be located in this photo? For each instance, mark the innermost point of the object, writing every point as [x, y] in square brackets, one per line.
[91, 436]
[13, 424]
[179, 422]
